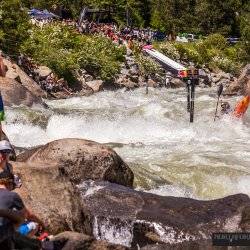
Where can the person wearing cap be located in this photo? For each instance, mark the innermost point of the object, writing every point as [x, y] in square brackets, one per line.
[5, 166]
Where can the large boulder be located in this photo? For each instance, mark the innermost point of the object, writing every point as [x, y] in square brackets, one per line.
[51, 196]
[16, 73]
[50, 173]
[14, 93]
[73, 241]
[242, 84]
[80, 160]
[132, 218]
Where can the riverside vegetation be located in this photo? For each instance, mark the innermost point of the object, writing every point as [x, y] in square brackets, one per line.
[63, 50]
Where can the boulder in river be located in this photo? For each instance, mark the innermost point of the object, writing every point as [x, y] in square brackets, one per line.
[176, 83]
[80, 160]
[15, 94]
[134, 218]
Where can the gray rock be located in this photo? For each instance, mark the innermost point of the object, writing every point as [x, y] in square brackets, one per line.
[14, 93]
[16, 73]
[176, 83]
[80, 159]
[43, 72]
[96, 85]
[140, 219]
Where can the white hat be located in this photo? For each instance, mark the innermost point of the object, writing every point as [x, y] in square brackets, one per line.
[5, 145]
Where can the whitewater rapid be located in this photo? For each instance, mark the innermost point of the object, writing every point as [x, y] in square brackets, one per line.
[152, 134]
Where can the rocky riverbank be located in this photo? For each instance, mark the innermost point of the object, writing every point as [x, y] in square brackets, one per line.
[85, 187]
[18, 88]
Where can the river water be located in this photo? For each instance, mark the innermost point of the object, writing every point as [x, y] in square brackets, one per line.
[152, 134]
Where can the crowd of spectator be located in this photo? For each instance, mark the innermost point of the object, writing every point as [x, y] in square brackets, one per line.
[118, 35]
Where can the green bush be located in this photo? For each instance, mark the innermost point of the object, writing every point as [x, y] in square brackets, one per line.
[168, 49]
[213, 52]
[189, 52]
[147, 66]
[224, 64]
[64, 50]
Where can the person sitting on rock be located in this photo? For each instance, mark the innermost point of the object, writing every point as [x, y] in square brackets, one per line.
[10, 200]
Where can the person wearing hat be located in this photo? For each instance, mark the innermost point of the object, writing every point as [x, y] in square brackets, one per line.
[5, 166]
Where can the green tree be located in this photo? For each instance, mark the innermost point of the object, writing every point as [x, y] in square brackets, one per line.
[14, 26]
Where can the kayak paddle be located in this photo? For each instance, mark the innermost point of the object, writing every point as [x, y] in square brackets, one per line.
[219, 92]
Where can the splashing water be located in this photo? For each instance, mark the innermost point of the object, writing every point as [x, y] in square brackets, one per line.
[152, 134]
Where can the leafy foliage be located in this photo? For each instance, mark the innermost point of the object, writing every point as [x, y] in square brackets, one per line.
[14, 26]
[64, 50]
[212, 52]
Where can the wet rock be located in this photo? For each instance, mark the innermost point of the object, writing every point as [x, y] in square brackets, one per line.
[50, 195]
[96, 85]
[43, 72]
[15, 94]
[85, 90]
[242, 84]
[74, 241]
[123, 81]
[15, 72]
[137, 218]
[176, 83]
[80, 160]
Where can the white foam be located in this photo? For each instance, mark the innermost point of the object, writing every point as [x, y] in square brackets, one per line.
[155, 132]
